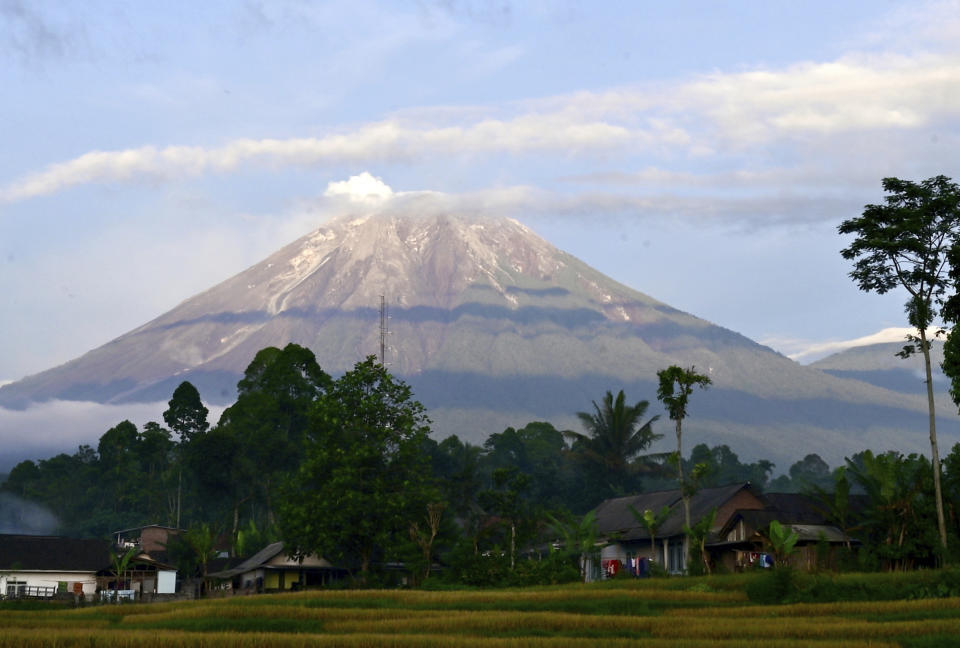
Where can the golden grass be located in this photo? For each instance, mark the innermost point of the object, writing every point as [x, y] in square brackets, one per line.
[134, 639]
[282, 612]
[425, 598]
[826, 609]
[494, 622]
[485, 619]
[798, 628]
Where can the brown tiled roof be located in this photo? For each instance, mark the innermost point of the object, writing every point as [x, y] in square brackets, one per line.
[48, 553]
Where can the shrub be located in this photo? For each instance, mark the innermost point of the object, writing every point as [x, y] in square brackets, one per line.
[773, 586]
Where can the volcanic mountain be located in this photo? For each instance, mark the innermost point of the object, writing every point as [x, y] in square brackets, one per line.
[492, 326]
[879, 364]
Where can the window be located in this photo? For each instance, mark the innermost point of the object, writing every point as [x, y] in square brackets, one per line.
[16, 588]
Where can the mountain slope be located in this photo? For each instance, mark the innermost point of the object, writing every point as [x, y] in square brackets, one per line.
[493, 326]
[878, 364]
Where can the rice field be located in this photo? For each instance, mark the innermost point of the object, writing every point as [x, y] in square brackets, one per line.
[679, 613]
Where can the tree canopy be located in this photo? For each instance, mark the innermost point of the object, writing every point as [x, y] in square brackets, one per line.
[616, 436]
[364, 477]
[906, 242]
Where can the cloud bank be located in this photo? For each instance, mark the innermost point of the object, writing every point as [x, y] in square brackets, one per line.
[805, 105]
[46, 429]
[805, 351]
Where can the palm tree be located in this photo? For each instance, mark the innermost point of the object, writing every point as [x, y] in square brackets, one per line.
[121, 563]
[615, 438]
[652, 521]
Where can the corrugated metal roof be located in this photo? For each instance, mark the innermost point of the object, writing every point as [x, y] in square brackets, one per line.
[53, 553]
[255, 561]
[614, 515]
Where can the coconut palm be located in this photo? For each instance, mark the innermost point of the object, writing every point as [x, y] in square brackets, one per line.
[615, 438]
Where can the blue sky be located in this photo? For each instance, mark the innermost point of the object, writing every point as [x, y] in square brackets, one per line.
[700, 152]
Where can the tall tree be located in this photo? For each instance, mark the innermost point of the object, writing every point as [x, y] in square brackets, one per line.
[186, 414]
[615, 437]
[905, 243]
[365, 476]
[270, 418]
[676, 386]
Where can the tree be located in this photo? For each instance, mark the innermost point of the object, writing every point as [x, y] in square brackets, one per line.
[201, 540]
[835, 504]
[700, 533]
[186, 414]
[652, 521]
[155, 451]
[579, 537]
[121, 563]
[117, 451]
[811, 471]
[783, 542]
[906, 243]
[425, 538]
[615, 436]
[507, 501]
[271, 416]
[365, 475]
[897, 489]
[539, 450]
[676, 386]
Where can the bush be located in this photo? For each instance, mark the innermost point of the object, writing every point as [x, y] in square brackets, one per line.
[784, 585]
[492, 569]
[778, 585]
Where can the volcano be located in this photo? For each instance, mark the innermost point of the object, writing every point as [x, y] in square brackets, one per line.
[492, 326]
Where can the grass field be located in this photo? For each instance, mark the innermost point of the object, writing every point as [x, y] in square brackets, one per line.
[678, 612]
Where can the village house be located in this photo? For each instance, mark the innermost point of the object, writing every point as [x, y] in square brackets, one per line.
[44, 566]
[152, 539]
[737, 538]
[150, 571]
[742, 541]
[271, 569]
[628, 542]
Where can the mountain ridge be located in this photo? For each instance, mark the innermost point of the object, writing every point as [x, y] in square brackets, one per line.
[489, 323]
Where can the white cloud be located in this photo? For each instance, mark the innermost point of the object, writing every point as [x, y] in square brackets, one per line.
[524, 200]
[363, 188]
[388, 140]
[806, 351]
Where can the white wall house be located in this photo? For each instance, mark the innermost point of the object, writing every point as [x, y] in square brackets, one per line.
[21, 583]
[46, 565]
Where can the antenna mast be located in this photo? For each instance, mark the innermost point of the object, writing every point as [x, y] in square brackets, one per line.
[383, 330]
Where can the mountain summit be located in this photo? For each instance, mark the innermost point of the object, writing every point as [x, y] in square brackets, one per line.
[493, 326]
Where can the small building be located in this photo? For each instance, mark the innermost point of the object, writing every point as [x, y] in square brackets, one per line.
[150, 571]
[742, 541]
[144, 576]
[628, 542]
[43, 566]
[271, 569]
[151, 539]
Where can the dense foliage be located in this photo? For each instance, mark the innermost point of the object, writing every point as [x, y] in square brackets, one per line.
[346, 467]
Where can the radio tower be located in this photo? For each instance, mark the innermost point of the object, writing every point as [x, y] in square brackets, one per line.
[383, 331]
